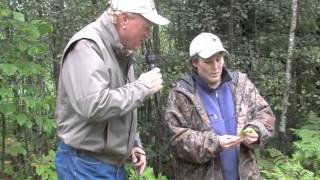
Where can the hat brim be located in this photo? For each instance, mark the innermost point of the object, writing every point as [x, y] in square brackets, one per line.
[208, 54]
[156, 18]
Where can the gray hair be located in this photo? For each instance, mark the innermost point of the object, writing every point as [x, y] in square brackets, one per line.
[115, 13]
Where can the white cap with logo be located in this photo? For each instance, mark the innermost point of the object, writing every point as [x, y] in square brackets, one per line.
[146, 8]
[205, 45]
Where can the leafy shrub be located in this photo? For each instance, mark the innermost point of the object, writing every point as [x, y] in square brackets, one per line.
[279, 166]
[148, 174]
[305, 161]
[45, 167]
[307, 149]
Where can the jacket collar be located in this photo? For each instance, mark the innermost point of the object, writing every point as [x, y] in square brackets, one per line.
[109, 34]
[188, 81]
[225, 77]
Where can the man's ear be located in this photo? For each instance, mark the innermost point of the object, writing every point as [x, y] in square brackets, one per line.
[123, 19]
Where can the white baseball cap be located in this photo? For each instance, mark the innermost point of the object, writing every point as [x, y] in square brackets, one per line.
[205, 45]
[146, 8]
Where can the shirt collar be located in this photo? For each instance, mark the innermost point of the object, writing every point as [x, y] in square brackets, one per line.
[109, 34]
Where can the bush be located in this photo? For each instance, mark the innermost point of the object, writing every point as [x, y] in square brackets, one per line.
[148, 174]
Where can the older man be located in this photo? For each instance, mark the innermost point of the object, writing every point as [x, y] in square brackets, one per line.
[216, 118]
[98, 95]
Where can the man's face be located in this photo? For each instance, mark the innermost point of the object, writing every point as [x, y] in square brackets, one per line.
[210, 69]
[133, 30]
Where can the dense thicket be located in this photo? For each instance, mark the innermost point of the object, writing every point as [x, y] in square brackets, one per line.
[33, 34]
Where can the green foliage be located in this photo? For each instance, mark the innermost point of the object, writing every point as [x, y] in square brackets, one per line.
[307, 71]
[305, 160]
[148, 174]
[45, 167]
[279, 166]
[307, 149]
[26, 96]
[14, 148]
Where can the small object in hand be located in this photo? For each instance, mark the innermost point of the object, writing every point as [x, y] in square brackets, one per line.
[248, 132]
[138, 156]
[228, 141]
[139, 153]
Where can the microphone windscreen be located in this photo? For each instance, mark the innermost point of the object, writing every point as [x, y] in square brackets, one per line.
[151, 59]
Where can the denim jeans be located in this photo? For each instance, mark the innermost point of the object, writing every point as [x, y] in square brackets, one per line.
[72, 164]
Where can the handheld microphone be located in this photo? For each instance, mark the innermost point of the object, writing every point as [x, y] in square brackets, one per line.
[151, 59]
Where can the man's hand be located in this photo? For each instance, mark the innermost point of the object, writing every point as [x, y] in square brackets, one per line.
[139, 160]
[152, 79]
[249, 135]
[228, 141]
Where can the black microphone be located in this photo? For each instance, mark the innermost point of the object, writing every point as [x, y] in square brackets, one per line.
[151, 59]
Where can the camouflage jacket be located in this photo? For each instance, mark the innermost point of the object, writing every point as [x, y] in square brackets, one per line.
[194, 144]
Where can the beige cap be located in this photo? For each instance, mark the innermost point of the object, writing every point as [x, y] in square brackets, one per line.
[146, 8]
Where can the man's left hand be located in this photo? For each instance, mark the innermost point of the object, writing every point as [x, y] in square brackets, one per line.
[139, 160]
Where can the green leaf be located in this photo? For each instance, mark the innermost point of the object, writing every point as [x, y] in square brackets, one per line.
[18, 16]
[34, 33]
[43, 27]
[40, 170]
[5, 92]
[2, 36]
[7, 107]
[22, 46]
[31, 31]
[39, 121]
[25, 68]
[31, 102]
[45, 176]
[4, 12]
[22, 119]
[33, 51]
[30, 68]
[15, 148]
[8, 69]
[28, 124]
[37, 69]
[52, 154]
[48, 125]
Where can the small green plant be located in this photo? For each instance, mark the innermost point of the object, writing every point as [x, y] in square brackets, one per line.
[305, 161]
[279, 166]
[45, 167]
[307, 149]
[148, 174]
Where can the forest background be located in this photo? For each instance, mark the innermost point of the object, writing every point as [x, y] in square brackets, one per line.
[275, 42]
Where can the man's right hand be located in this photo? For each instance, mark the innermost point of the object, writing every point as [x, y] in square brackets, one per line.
[152, 79]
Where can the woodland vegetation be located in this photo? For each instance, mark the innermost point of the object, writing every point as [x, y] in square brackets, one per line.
[275, 42]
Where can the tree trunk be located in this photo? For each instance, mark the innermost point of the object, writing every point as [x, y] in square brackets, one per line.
[58, 39]
[285, 100]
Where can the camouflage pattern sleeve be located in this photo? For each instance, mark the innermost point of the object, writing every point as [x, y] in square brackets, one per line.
[191, 138]
[259, 113]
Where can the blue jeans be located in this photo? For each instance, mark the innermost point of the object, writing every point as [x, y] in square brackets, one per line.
[72, 164]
